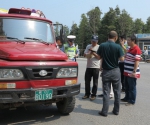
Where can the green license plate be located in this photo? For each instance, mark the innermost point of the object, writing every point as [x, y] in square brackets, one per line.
[43, 94]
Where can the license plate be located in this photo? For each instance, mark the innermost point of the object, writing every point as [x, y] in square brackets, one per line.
[43, 94]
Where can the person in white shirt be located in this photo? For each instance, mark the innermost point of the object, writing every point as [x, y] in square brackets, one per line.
[145, 53]
[92, 69]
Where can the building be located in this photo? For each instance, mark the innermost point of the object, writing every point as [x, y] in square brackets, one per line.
[143, 41]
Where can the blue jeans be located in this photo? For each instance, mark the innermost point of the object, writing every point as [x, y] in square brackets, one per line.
[130, 89]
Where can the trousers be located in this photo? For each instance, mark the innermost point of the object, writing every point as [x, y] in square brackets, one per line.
[111, 77]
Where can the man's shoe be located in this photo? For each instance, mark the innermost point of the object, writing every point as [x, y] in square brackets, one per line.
[85, 97]
[129, 104]
[101, 95]
[115, 113]
[102, 114]
[124, 100]
[92, 98]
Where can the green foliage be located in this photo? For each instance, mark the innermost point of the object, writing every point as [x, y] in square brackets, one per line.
[114, 19]
[94, 17]
[125, 24]
[84, 33]
[56, 29]
[108, 23]
[66, 33]
[147, 26]
[138, 26]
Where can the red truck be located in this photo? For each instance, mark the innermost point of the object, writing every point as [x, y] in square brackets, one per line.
[32, 69]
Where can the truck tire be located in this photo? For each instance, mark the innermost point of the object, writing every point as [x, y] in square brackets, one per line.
[66, 105]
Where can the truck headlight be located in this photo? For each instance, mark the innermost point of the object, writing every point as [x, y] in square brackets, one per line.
[6, 74]
[67, 72]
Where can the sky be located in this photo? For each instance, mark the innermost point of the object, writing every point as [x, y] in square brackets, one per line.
[69, 12]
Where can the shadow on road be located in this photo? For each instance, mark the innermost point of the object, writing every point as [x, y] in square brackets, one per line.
[30, 115]
[80, 109]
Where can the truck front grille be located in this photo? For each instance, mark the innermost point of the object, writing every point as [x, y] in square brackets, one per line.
[37, 71]
[34, 73]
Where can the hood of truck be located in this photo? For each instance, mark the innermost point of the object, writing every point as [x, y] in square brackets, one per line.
[28, 51]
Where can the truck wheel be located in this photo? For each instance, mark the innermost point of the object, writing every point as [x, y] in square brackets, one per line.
[66, 105]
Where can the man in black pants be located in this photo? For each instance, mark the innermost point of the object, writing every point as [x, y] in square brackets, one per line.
[92, 70]
[111, 53]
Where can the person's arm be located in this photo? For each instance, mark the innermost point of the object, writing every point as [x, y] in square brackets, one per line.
[136, 63]
[96, 55]
[135, 66]
[133, 74]
[123, 46]
[121, 54]
[77, 53]
[121, 59]
[86, 51]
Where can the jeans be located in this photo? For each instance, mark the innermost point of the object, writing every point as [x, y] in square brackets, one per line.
[89, 73]
[130, 89]
[111, 77]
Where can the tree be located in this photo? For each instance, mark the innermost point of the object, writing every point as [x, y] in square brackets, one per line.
[84, 32]
[125, 24]
[117, 9]
[138, 26]
[147, 26]
[57, 29]
[94, 17]
[108, 23]
[74, 29]
[66, 32]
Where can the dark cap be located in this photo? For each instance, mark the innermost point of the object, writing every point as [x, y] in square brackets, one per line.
[94, 38]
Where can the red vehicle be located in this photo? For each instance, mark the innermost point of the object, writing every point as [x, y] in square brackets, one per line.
[32, 69]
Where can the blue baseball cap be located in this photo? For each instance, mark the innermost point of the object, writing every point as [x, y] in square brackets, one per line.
[94, 38]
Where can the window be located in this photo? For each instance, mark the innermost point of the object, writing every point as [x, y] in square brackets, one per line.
[21, 28]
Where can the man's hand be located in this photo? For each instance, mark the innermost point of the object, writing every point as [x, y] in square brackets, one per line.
[96, 55]
[91, 49]
[121, 58]
[122, 43]
[132, 75]
[76, 55]
[101, 69]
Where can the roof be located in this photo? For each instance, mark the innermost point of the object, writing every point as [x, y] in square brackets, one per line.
[143, 36]
[16, 13]
[3, 10]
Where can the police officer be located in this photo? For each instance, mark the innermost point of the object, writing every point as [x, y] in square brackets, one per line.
[70, 48]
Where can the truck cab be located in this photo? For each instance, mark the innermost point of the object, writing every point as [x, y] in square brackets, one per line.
[33, 70]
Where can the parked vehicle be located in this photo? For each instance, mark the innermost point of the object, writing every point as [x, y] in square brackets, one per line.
[32, 69]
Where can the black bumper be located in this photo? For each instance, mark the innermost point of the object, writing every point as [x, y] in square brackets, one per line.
[28, 95]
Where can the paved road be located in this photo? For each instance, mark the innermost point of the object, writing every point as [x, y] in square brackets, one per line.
[86, 111]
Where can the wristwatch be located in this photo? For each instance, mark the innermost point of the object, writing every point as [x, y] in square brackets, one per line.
[134, 71]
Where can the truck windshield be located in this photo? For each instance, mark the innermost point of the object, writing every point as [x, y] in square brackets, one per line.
[22, 28]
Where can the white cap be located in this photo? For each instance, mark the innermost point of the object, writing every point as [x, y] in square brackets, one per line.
[71, 37]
